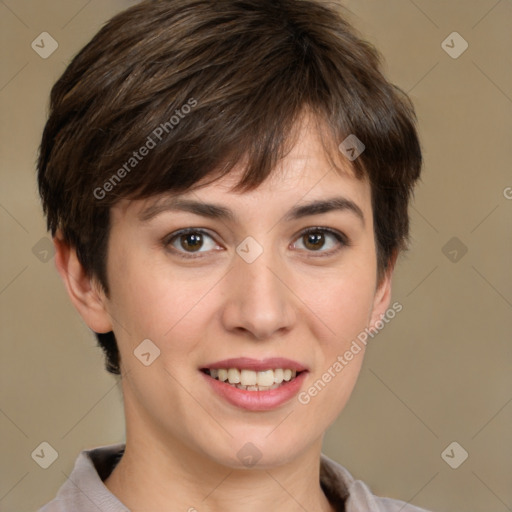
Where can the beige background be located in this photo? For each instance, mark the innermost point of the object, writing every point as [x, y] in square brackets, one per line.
[439, 372]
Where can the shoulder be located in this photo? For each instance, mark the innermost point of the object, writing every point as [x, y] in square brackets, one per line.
[340, 486]
[84, 489]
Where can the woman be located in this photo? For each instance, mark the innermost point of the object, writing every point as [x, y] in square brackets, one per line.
[227, 185]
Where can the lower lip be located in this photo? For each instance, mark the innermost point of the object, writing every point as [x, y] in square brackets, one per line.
[257, 400]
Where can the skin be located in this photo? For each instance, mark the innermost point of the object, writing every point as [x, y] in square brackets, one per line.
[181, 438]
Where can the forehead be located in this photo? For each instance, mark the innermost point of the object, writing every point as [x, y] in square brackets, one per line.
[312, 169]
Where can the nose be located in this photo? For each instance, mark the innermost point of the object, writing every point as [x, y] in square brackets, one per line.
[259, 302]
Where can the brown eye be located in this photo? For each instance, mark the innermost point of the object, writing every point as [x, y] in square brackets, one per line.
[189, 241]
[314, 240]
[317, 239]
[192, 241]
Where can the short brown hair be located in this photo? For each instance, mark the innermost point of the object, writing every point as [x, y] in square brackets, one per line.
[222, 82]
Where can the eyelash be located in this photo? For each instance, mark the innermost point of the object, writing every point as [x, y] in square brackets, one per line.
[340, 237]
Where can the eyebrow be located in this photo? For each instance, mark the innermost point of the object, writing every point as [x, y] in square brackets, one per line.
[216, 211]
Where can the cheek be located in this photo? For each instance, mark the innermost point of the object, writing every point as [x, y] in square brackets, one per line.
[342, 299]
[343, 316]
[341, 313]
[151, 301]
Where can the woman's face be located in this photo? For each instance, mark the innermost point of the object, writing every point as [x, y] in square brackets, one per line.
[247, 282]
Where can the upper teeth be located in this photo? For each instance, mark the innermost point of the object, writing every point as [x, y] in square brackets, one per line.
[252, 378]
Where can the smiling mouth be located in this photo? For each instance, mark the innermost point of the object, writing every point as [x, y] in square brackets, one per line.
[250, 380]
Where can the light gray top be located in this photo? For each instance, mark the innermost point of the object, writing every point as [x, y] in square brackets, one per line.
[84, 490]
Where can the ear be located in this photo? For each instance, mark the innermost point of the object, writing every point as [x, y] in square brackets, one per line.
[85, 293]
[383, 292]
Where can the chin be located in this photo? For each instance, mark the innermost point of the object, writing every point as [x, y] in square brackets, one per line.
[262, 448]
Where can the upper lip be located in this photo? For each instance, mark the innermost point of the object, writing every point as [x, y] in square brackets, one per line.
[258, 365]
